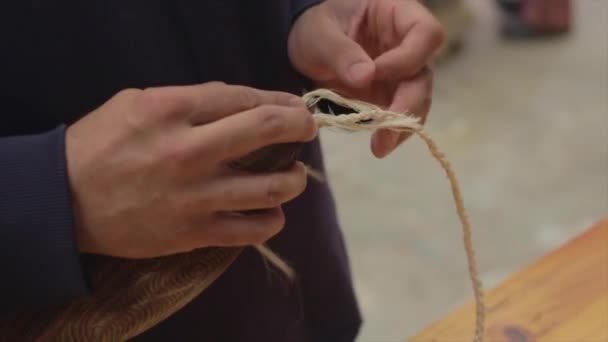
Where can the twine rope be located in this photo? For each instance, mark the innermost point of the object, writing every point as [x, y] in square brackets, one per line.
[368, 117]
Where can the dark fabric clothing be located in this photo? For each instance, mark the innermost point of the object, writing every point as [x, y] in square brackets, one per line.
[61, 59]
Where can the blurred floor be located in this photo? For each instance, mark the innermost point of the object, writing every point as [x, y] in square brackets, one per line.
[525, 125]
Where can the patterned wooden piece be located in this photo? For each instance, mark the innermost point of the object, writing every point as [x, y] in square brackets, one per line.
[131, 296]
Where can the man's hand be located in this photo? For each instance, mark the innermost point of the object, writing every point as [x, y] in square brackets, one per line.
[374, 50]
[148, 168]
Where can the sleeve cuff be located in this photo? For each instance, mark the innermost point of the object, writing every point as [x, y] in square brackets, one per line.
[299, 6]
[39, 256]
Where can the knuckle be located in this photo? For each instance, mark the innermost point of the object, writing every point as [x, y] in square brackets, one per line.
[436, 32]
[149, 96]
[213, 87]
[129, 93]
[246, 96]
[272, 121]
[127, 99]
[162, 103]
[274, 192]
[149, 100]
[288, 99]
[427, 74]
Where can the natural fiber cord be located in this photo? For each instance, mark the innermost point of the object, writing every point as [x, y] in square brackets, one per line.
[368, 117]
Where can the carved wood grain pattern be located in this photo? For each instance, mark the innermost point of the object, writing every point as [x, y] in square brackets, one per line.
[132, 296]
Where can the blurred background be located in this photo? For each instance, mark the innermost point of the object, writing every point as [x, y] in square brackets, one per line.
[524, 121]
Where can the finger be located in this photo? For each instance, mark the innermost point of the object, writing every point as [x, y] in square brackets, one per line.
[216, 101]
[208, 102]
[240, 191]
[237, 135]
[383, 142]
[414, 97]
[333, 54]
[346, 58]
[419, 44]
[244, 230]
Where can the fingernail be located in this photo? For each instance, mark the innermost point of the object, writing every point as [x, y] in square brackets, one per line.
[360, 71]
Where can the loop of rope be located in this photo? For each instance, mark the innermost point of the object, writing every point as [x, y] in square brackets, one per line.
[368, 117]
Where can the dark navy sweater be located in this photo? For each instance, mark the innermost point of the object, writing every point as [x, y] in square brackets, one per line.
[61, 59]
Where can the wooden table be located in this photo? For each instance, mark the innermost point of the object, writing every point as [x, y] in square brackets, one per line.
[563, 297]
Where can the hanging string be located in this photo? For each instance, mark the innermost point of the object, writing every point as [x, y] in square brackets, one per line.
[368, 117]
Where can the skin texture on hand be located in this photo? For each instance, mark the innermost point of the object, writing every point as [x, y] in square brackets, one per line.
[149, 176]
[378, 51]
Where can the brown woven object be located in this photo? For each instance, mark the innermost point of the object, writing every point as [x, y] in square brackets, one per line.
[131, 296]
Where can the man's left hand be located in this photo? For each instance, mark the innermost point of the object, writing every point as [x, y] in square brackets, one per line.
[373, 50]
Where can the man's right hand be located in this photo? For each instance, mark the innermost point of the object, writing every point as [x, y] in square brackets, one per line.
[148, 168]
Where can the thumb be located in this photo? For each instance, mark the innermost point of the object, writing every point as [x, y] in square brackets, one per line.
[332, 54]
[345, 57]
